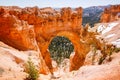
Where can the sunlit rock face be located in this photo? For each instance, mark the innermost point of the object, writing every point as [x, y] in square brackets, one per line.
[32, 28]
[111, 14]
[17, 33]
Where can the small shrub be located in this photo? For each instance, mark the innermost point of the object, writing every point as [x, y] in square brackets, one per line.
[107, 51]
[94, 53]
[1, 71]
[31, 70]
[101, 60]
[116, 49]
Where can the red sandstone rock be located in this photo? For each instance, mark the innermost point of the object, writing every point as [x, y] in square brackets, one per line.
[110, 14]
[28, 28]
[17, 33]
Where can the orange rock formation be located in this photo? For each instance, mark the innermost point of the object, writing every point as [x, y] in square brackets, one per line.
[30, 28]
[111, 14]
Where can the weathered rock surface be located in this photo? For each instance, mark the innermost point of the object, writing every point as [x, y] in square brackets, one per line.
[111, 14]
[17, 33]
[32, 28]
[109, 71]
[12, 62]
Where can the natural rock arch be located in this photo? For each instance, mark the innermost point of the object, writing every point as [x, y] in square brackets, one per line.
[76, 60]
[32, 29]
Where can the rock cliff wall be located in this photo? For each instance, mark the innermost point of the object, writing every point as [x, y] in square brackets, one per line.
[111, 14]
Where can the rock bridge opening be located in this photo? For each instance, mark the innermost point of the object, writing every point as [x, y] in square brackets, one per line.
[60, 48]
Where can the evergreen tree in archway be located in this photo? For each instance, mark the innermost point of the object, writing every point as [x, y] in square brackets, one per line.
[60, 48]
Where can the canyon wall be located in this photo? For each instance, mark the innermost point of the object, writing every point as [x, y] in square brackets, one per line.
[111, 14]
